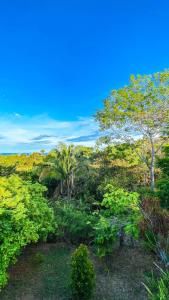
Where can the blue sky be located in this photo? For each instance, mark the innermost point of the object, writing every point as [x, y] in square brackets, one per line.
[60, 59]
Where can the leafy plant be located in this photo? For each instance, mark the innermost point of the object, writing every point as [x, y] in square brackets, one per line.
[119, 201]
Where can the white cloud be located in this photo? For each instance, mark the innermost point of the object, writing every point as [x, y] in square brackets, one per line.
[17, 115]
[24, 134]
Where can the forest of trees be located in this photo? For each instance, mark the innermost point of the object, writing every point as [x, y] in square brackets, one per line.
[110, 196]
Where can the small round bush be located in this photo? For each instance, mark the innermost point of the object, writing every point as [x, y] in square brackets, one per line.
[82, 274]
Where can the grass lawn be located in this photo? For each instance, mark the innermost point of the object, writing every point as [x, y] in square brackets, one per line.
[117, 278]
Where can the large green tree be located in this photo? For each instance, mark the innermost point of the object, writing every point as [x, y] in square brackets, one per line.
[25, 217]
[139, 111]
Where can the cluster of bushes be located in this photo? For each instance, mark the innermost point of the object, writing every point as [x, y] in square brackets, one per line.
[116, 216]
[25, 217]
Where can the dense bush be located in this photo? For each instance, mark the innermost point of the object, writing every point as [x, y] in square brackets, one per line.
[82, 274]
[25, 217]
[74, 223]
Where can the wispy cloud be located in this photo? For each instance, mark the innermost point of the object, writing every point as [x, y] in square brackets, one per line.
[42, 137]
[20, 133]
[85, 138]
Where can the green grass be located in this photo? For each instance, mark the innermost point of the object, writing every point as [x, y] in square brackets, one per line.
[55, 275]
[47, 280]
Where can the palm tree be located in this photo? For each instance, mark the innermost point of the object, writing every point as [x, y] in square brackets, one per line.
[62, 163]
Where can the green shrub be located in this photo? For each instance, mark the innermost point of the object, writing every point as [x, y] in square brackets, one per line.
[82, 274]
[25, 217]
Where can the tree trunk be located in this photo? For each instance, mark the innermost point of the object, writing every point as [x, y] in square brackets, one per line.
[152, 165]
[121, 237]
[72, 180]
[61, 187]
[68, 189]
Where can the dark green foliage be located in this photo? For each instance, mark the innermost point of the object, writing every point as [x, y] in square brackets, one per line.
[163, 163]
[163, 182]
[82, 274]
[74, 223]
[163, 191]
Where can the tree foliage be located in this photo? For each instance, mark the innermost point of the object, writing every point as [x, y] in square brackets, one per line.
[23, 164]
[139, 110]
[25, 217]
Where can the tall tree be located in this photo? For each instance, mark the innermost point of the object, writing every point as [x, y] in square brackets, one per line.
[139, 111]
